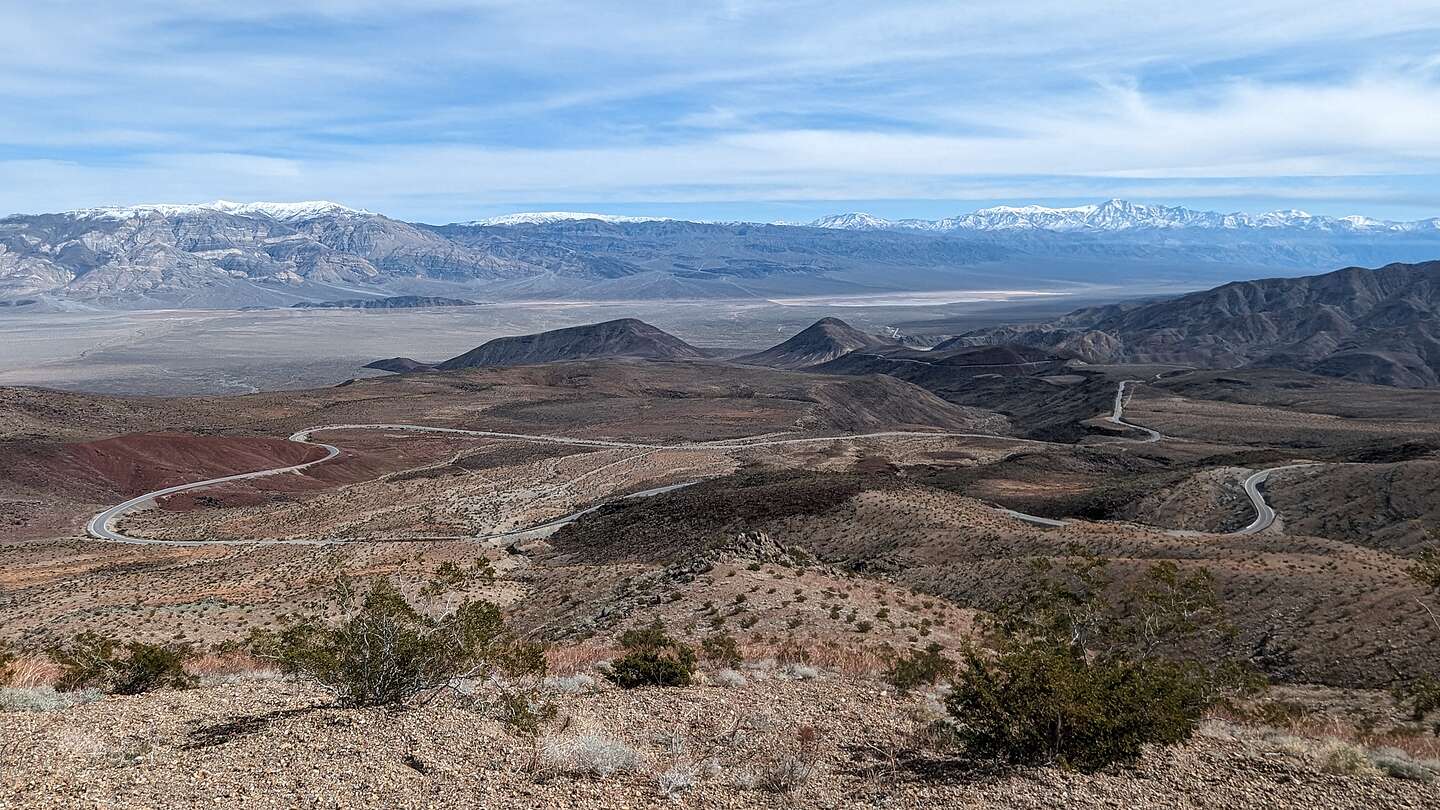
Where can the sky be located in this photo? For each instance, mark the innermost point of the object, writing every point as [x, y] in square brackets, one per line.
[450, 110]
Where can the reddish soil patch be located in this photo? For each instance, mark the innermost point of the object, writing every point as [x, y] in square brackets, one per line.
[141, 462]
[364, 456]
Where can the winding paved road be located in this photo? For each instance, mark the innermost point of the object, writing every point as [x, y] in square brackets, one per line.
[102, 525]
[1117, 414]
[1264, 514]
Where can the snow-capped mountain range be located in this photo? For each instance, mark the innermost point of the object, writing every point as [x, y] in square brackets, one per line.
[1121, 215]
[227, 254]
[283, 212]
[552, 217]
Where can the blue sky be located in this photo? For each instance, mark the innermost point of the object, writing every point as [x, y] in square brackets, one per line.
[444, 110]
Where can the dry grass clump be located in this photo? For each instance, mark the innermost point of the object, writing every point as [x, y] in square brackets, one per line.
[44, 698]
[728, 678]
[33, 670]
[1346, 759]
[846, 659]
[678, 779]
[576, 684]
[588, 754]
[576, 658]
[1297, 734]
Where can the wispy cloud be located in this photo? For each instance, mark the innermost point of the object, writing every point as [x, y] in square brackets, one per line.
[431, 107]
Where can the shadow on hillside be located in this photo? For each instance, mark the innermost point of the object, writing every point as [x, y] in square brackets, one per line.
[221, 733]
[921, 766]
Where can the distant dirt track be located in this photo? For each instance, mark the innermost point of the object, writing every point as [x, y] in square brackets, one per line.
[101, 526]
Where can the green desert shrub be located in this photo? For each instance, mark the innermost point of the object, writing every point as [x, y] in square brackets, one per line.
[721, 651]
[1420, 697]
[920, 668]
[1072, 679]
[93, 661]
[1426, 568]
[652, 658]
[386, 652]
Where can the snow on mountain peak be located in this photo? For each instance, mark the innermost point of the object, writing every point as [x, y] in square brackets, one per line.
[551, 217]
[282, 211]
[855, 221]
[1113, 215]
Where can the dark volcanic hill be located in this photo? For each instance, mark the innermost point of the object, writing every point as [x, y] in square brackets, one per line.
[820, 342]
[400, 365]
[1378, 326]
[626, 337]
[1008, 379]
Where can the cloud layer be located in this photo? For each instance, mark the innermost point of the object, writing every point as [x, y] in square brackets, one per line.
[449, 109]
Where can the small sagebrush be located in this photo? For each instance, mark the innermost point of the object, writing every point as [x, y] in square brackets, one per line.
[1400, 765]
[387, 652]
[93, 661]
[925, 667]
[652, 658]
[721, 650]
[44, 698]
[1075, 681]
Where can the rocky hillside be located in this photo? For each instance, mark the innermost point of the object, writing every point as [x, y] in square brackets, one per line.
[626, 337]
[1379, 326]
[822, 341]
[134, 252]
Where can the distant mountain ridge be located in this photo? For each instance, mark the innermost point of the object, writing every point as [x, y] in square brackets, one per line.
[234, 255]
[1370, 325]
[552, 217]
[1122, 215]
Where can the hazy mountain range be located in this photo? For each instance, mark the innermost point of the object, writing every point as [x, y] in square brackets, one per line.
[1120, 215]
[226, 254]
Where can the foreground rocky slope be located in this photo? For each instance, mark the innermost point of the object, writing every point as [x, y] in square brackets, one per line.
[267, 743]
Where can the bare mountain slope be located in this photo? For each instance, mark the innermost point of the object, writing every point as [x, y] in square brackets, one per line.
[1380, 326]
[131, 253]
[822, 341]
[626, 337]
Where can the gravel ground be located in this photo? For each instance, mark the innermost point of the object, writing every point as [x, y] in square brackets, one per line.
[266, 743]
